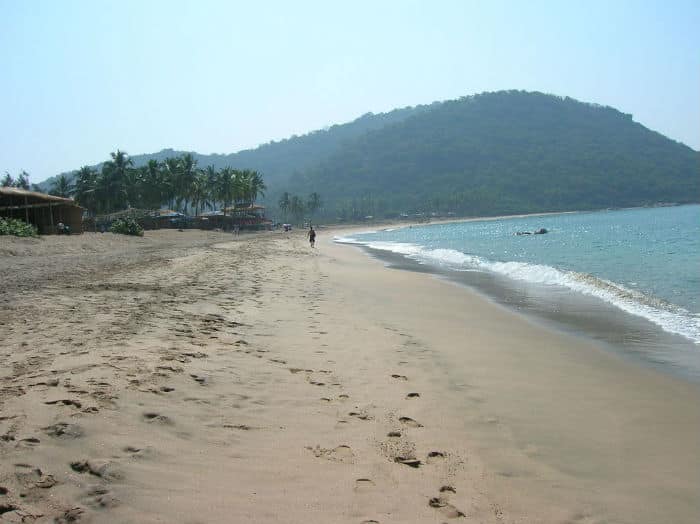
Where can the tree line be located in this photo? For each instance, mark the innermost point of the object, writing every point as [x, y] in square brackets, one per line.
[176, 182]
[297, 207]
[22, 180]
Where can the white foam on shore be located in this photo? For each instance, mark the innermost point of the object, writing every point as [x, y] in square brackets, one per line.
[671, 318]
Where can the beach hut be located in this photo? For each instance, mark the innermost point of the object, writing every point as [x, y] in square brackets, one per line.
[249, 216]
[42, 210]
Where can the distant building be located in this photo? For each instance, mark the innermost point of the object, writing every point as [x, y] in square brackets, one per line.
[245, 217]
[42, 210]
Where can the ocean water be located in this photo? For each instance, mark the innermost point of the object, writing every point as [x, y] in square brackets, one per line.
[641, 263]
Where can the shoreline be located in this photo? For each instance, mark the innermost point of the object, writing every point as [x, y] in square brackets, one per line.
[635, 338]
[544, 421]
[210, 379]
[587, 304]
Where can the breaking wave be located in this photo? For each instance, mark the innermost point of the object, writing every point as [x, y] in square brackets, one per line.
[668, 316]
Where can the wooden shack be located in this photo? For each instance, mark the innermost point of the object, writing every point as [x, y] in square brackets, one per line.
[249, 217]
[42, 210]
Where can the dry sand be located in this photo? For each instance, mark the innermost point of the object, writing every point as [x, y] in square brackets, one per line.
[188, 377]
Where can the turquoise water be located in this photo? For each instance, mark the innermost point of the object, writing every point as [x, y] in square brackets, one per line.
[645, 262]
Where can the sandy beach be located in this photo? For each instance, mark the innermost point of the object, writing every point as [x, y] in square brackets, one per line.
[197, 377]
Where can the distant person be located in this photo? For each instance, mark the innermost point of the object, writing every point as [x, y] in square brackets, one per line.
[312, 236]
[236, 230]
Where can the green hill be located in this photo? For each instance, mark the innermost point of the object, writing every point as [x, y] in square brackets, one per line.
[493, 153]
[504, 152]
[277, 161]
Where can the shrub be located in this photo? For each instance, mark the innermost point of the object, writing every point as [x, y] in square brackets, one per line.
[126, 226]
[18, 228]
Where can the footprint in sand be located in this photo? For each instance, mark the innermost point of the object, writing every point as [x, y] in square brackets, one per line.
[408, 461]
[64, 430]
[435, 456]
[361, 415]
[157, 418]
[340, 453]
[99, 497]
[139, 453]
[408, 421]
[65, 402]
[394, 434]
[46, 482]
[363, 485]
[200, 379]
[70, 515]
[28, 442]
[447, 509]
[104, 469]
[413, 395]
[242, 427]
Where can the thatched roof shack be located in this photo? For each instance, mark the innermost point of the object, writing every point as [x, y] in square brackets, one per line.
[42, 210]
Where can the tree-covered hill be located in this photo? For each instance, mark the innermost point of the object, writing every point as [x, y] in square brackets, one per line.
[504, 152]
[279, 160]
[494, 153]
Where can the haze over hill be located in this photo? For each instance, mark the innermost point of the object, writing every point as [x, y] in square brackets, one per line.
[503, 152]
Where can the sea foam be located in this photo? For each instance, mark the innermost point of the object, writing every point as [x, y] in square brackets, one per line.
[669, 317]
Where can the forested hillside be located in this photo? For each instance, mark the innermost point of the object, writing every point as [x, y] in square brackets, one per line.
[494, 153]
[504, 152]
[279, 160]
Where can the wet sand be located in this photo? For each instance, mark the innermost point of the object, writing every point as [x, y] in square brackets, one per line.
[189, 377]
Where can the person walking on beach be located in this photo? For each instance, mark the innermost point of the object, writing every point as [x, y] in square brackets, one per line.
[312, 236]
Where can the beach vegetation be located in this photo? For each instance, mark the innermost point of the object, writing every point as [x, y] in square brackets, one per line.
[126, 226]
[18, 228]
[21, 181]
[175, 182]
[62, 187]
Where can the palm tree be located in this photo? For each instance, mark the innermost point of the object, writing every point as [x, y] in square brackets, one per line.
[212, 178]
[255, 186]
[22, 180]
[185, 179]
[297, 208]
[61, 187]
[283, 204]
[85, 188]
[171, 170]
[153, 184]
[313, 204]
[199, 192]
[226, 187]
[241, 187]
[111, 191]
[132, 187]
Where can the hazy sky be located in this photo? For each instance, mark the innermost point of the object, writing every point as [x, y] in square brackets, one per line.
[79, 79]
